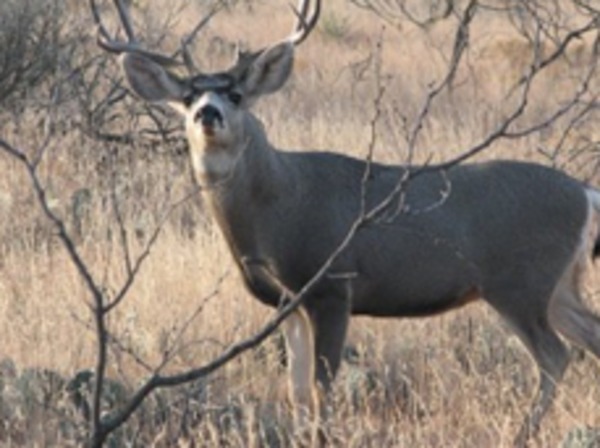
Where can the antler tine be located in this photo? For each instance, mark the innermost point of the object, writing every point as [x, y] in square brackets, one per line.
[131, 46]
[301, 13]
[96, 15]
[304, 25]
[186, 41]
[199, 26]
[121, 47]
[125, 20]
[302, 28]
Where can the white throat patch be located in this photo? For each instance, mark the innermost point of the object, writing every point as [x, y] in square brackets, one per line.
[213, 163]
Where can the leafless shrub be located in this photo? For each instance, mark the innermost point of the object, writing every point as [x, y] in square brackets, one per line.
[109, 133]
[422, 13]
[31, 40]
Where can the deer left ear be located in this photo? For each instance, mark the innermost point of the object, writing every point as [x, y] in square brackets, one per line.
[269, 71]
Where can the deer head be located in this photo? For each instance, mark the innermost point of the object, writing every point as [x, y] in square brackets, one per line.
[215, 106]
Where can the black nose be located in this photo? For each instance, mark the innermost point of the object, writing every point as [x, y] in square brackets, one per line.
[209, 116]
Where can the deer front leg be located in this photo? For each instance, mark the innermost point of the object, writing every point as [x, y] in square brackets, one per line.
[300, 341]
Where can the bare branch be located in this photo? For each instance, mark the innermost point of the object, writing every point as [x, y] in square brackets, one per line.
[175, 346]
[294, 300]
[54, 219]
[186, 42]
[116, 341]
[461, 42]
[134, 269]
[394, 11]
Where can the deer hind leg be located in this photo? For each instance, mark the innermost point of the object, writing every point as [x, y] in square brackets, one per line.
[570, 317]
[568, 313]
[529, 319]
[552, 359]
[299, 337]
[575, 322]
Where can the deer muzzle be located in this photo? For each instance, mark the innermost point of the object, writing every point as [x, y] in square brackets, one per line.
[209, 116]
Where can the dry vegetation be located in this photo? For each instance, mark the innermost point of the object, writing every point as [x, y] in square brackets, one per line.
[454, 380]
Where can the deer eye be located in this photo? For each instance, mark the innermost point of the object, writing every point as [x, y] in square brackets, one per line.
[188, 100]
[234, 97]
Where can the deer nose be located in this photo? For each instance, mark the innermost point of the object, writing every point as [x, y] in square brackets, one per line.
[209, 115]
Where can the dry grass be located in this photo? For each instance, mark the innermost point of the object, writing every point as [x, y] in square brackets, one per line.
[454, 380]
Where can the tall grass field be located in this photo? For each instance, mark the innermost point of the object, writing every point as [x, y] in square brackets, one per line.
[360, 84]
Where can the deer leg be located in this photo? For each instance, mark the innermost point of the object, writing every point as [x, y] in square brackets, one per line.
[299, 336]
[330, 319]
[570, 317]
[552, 359]
[541, 404]
[530, 320]
[568, 313]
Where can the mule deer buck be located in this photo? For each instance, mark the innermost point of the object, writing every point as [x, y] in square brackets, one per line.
[517, 235]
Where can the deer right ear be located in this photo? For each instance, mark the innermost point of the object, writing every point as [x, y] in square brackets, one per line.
[150, 80]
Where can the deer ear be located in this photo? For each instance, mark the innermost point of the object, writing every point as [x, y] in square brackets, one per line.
[269, 71]
[150, 80]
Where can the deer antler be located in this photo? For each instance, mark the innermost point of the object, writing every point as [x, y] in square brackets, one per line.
[131, 46]
[300, 31]
[304, 26]
[305, 23]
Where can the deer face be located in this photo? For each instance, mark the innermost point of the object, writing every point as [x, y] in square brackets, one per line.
[216, 132]
[215, 120]
[215, 107]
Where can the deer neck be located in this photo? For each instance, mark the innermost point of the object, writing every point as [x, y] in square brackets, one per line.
[240, 181]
